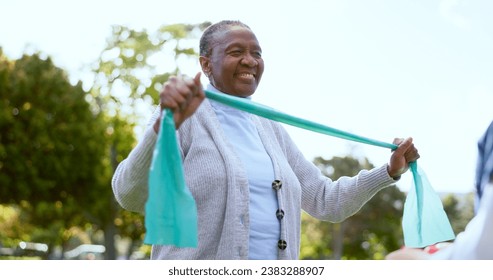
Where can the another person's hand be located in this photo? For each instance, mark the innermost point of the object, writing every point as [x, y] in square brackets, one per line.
[401, 157]
[182, 95]
[417, 253]
[408, 254]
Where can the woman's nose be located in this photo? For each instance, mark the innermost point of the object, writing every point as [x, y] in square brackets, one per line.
[249, 60]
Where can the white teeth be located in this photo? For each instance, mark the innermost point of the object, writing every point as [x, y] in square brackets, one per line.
[246, 75]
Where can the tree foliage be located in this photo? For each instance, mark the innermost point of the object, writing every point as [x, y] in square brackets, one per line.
[459, 209]
[53, 156]
[48, 129]
[44, 119]
[135, 64]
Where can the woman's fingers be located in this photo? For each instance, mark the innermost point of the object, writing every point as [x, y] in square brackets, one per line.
[182, 95]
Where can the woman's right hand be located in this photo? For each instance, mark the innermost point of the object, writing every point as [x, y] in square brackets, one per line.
[182, 95]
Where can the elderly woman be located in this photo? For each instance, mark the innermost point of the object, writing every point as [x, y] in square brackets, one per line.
[249, 180]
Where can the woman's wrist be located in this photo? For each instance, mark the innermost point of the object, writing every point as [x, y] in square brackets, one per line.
[396, 178]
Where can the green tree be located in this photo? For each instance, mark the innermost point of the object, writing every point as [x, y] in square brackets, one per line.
[52, 148]
[369, 234]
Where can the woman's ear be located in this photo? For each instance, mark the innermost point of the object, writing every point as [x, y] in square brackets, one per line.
[205, 65]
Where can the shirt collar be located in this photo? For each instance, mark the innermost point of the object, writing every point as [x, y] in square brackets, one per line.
[220, 106]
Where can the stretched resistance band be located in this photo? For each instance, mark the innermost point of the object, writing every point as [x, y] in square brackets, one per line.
[171, 214]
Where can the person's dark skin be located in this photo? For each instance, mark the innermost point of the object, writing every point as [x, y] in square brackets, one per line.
[235, 66]
[182, 95]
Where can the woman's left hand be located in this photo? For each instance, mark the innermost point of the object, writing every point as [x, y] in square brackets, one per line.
[401, 157]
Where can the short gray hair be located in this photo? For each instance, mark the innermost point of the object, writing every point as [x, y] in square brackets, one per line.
[208, 35]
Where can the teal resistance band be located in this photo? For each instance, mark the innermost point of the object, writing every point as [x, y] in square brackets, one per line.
[424, 220]
[170, 210]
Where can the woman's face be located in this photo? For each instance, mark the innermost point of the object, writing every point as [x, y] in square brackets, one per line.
[235, 63]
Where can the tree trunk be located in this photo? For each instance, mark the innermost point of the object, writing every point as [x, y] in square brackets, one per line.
[338, 240]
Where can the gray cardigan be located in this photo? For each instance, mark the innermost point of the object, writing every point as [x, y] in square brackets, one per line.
[217, 180]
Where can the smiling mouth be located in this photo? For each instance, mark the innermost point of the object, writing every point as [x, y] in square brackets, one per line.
[246, 76]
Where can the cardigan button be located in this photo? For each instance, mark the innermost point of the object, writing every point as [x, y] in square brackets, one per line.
[282, 244]
[280, 214]
[276, 185]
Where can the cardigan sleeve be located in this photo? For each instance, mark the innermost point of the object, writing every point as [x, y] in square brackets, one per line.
[324, 198]
[129, 182]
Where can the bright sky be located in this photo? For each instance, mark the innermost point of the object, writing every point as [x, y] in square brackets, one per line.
[379, 69]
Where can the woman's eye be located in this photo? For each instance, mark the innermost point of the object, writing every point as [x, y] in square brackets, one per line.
[235, 53]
